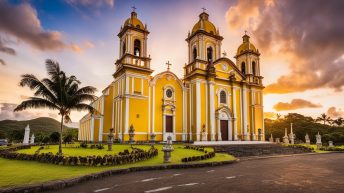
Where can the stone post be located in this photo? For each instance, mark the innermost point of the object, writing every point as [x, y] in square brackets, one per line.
[167, 149]
[110, 140]
[291, 135]
[131, 134]
[308, 141]
[204, 133]
[330, 144]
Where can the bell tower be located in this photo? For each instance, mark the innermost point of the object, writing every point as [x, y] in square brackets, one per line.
[247, 60]
[133, 45]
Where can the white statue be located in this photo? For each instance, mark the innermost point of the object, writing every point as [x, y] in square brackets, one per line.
[291, 135]
[271, 139]
[32, 139]
[308, 141]
[318, 137]
[26, 135]
[285, 138]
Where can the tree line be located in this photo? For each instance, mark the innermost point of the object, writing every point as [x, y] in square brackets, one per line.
[329, 129]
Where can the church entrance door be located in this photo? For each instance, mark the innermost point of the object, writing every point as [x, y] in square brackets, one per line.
[169, 124]
[224, 129]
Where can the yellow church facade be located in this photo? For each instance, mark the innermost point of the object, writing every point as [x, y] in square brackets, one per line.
[216, 100]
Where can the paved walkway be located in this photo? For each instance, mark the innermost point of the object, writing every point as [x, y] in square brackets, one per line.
[303, 173]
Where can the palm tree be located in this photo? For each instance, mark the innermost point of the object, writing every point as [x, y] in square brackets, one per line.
[278, 116]
[58, 92]
[339, 121]
[324, 118]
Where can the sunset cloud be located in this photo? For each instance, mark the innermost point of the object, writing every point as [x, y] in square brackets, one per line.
[6, 112]
[2, 62]
[334, 113]
[21, 22]
[307, 33]
[295, 104]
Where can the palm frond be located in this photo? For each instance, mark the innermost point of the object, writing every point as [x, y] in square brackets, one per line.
[34, 102]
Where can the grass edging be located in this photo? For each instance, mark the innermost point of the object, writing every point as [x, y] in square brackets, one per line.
[60, 184]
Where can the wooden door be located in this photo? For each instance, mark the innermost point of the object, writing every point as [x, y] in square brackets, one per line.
[224, 129]
[169, 124]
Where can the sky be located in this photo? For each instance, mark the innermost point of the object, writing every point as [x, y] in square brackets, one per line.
[301, 45]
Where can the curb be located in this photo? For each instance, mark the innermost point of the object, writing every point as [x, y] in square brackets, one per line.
[288, 155]
[60, 184]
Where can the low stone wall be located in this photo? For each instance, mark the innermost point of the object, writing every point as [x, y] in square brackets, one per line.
[207, 154]
[125, 157]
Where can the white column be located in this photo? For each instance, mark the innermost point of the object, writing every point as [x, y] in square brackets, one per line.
[153, 109]
[253, 129]
[92, 129]
[235, 115]
[246, 136]
[191, 111]
[198, 110]
[212, 110]
[230, 132]
[126, 122]
[184, 115]
[149, 110]
[219, 135]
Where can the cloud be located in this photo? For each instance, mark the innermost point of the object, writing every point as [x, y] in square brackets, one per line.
[98, 3]
[334, 113]
[2, 62]
[295, 104]
[6, 112]
[307, 33]
[21, 21]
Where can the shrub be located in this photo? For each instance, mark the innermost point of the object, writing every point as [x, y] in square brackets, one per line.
[83, 144]
[100, 146]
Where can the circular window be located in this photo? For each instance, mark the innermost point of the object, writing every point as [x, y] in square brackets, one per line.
[169, 93]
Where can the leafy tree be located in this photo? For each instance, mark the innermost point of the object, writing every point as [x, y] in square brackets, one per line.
[54, 137]
[339, 121]
[324, 118]
[15, 136]
[57, 92]
[278, 116]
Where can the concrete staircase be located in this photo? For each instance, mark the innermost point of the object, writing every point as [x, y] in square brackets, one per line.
[259, 150]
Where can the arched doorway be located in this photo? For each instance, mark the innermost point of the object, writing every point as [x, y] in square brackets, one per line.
[224, 124]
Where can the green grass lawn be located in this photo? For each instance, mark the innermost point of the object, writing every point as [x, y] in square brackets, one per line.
[16, 172]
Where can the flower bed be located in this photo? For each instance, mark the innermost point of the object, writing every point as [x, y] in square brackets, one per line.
[124, 157]
[207, 154]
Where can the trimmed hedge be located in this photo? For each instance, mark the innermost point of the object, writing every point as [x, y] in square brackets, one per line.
[207, 154]
[307, 148]
[124, 157]
[332, 149]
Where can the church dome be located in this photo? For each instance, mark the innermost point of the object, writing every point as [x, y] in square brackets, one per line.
[204, 24]
[134, 21]
[246, 45]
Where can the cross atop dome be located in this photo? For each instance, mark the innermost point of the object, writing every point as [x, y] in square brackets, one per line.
[203, 9]
[134, 8]
[168, 65]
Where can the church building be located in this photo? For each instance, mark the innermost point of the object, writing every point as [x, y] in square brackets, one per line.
[216, 100]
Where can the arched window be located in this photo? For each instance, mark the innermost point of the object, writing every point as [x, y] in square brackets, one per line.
[243, 68]
[254, 68]
[123, 48]
[223, 97]
[194, 53]
[210, 53]
[137, 47]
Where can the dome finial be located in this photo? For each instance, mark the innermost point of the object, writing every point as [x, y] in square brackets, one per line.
[133, 13]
